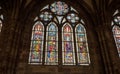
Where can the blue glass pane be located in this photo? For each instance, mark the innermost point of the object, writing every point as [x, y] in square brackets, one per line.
[52, 27]
[80, 28]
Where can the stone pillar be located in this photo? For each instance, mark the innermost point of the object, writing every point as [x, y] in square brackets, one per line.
[11, 44]
[111, 49]
[102, 31]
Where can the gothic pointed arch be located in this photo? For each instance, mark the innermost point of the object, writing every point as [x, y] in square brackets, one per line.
[63, 38]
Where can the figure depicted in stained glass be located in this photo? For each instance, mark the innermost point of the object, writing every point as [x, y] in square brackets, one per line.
[52, 45]
[68, 52]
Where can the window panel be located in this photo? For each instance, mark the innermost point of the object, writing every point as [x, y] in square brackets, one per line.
[1, 19]
[117, 20]
[68, 45]
[36, 50]
[83, 58]
[52, 45]
[46, 16]
[116, 29]
[59, 8]
[72, 18]
[0, 25]
[82, 47]
[54, 16]
[35, 57]
[116, 33]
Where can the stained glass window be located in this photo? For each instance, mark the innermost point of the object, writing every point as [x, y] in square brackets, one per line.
[117, 20]
[36, 51]
[116, 30]
[1, 19]
[72, 18]
[52, 45]
[59, 19]
[82, 46]
[68, 45]
[0, 25]
[59, 8]
[46, 16]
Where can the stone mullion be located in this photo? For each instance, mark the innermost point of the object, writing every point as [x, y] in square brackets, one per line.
[59, 46]
[44, 46]
[111, 48]
[75, 48]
